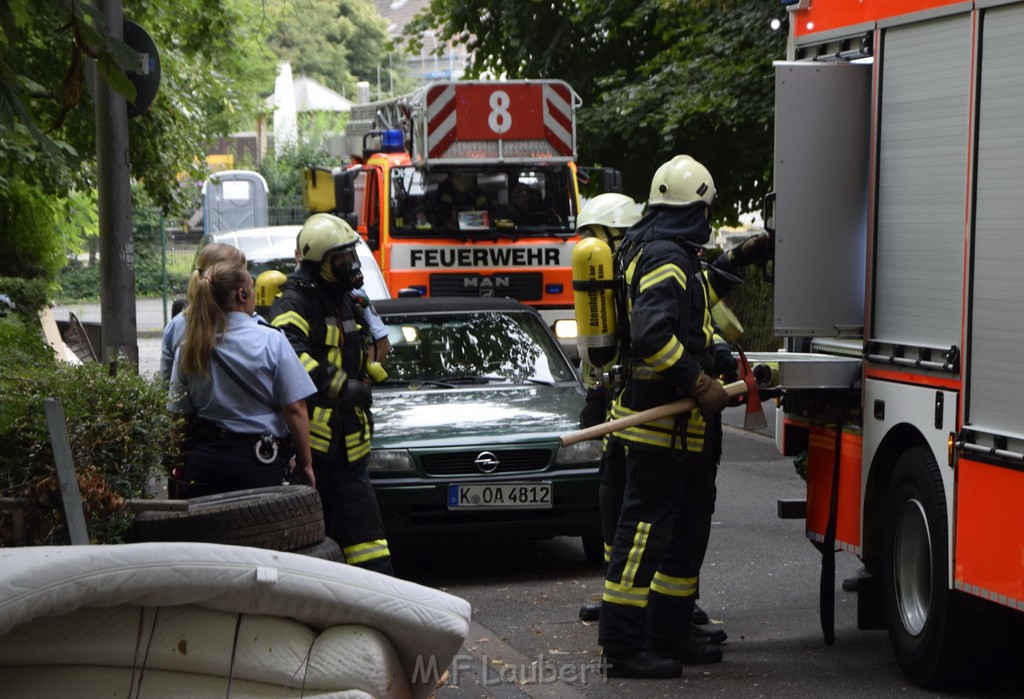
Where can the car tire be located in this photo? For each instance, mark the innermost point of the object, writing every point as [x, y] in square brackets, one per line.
[593, 550]
[327, 550]
[939, 636]
[283, 518]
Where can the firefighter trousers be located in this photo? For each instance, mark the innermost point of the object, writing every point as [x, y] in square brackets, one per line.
[351, 514]
[652, 580]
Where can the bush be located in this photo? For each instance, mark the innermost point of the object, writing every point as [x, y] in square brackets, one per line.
[118, 428]
[753, 303]
[28, 295]
[27, 222]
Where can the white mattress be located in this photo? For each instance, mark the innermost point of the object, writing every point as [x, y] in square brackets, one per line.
[176, 609]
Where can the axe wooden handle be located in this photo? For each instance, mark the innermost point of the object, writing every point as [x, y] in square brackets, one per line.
[673, 408]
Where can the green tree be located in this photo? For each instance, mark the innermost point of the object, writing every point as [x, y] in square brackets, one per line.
[336, 42]
[657, 78]
[214, 69]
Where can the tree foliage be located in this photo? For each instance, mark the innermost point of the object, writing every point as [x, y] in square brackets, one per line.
[336, 42]
[213, 71]
[657, 78]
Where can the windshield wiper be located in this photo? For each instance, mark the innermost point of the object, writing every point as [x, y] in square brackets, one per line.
[416, 383]
[473, 378]
[542, 382]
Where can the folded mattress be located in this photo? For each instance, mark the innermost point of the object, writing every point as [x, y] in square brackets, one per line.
[180, 618]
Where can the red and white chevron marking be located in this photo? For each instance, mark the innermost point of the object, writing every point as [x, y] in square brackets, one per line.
[511, 111]
[440, 119]
[558, 126]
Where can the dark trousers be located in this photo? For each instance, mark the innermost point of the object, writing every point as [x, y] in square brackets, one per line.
[224, 465]
[661, 537]
[351, 514]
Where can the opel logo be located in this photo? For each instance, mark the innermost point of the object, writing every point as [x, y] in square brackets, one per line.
[487, 462]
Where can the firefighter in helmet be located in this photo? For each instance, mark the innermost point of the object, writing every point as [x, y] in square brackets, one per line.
[607, 217]
[652, 575]
[323, 322]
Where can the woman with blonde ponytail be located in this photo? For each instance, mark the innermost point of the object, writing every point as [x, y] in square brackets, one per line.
[175, 328]
[242, 389]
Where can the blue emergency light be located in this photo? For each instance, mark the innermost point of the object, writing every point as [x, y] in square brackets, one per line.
[392, 141]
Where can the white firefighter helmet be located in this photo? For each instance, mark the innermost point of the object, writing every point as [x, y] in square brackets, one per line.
[322, 234]
[682, 181]
[611, 210]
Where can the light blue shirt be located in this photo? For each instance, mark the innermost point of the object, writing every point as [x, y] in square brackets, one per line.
[263, 359]
[373, 322]
[174, 331]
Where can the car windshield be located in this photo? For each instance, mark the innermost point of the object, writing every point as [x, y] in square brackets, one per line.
[492, 202]
[473, 348]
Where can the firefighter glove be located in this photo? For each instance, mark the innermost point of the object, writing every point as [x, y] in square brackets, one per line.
[594, 410]
[725, 363]
[356, 395]
[709, 394]
[750, 250]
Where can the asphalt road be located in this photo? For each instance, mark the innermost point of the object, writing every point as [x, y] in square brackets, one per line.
[760, 584]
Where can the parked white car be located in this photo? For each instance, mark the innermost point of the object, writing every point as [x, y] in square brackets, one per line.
[273, 247]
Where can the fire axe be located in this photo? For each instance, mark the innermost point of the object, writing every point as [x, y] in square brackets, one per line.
[753, 419]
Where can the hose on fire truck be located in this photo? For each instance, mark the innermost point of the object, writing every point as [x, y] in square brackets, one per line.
[827, 583]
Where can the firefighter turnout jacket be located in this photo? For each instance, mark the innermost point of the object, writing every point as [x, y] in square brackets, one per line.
[668, 293]
[324, 327]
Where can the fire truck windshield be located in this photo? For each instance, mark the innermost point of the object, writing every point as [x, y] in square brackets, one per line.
[485, 202]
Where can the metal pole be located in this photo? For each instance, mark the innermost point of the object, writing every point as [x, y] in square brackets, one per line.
[117, 253]
[70, 494]
[163, 263]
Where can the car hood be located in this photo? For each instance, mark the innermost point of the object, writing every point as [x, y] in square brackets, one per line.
[446, 417]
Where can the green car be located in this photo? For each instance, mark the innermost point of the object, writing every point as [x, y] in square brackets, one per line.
[468, 420]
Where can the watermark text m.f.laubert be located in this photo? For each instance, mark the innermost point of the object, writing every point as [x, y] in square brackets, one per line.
[493, 671]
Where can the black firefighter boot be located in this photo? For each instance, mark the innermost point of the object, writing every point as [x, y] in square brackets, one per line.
[639, 664]
[668, 642]
[689, 651]
[705, 635]
[590, 611]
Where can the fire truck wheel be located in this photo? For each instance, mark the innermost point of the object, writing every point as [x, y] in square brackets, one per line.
[937, 636]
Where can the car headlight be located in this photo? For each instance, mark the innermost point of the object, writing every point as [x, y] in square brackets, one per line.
[565, 329]
[391, 460]
[588, 451]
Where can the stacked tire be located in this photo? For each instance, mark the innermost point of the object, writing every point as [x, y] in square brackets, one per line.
[281, 518]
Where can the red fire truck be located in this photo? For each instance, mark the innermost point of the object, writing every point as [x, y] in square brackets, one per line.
[466, 188]
[899, 290]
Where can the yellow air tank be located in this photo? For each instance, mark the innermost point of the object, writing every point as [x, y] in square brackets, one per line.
[593, 284]
[267, 287]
